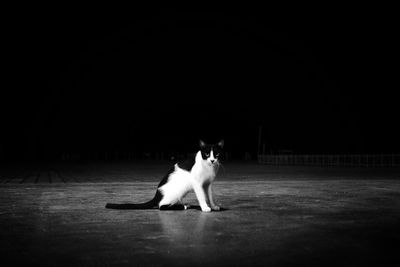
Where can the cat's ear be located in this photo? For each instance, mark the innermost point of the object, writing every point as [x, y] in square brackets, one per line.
[221, 143]
[202, 144]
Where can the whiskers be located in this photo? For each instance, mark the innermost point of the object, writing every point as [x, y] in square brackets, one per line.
[222, 166]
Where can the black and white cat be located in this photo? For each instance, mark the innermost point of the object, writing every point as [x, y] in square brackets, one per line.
[193, 175]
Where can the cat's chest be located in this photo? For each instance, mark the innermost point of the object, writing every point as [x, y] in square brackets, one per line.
[204, 172]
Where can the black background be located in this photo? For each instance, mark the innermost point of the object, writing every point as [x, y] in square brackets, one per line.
[318, 79]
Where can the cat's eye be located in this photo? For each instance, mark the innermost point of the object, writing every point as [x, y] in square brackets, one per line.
[217, 154]
[207, 154]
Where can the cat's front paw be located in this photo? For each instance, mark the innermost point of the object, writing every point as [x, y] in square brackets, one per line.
[205, 209]
[217, 208]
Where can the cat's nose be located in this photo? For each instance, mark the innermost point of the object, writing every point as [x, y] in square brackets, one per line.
[212, 160]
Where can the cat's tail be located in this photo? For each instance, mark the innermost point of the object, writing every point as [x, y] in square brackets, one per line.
[141, 206]
[128, 206]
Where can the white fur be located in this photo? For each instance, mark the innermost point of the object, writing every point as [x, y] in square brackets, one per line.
[199, 180]
[178, 185]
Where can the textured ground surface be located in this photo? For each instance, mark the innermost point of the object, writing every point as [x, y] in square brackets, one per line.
[275, 217]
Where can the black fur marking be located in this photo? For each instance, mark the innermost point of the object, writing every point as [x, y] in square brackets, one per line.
[128, 206]
[206, 151]
[187, 164]
[157, 198]
[173, 207]
[166, 176]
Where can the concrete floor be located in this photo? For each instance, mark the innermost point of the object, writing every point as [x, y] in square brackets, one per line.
[270, 222]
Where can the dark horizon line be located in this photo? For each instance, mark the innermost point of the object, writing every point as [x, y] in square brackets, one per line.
[118, 156]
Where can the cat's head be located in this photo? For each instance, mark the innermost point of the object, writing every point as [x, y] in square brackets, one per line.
[211, 153]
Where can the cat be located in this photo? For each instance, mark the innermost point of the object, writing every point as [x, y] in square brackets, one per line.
[192, 175]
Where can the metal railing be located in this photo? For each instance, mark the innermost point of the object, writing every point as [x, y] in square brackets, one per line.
[350, 160]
